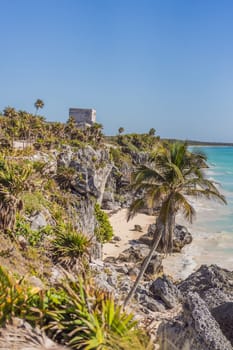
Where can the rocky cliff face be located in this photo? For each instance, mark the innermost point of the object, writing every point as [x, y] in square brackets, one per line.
[93, 168]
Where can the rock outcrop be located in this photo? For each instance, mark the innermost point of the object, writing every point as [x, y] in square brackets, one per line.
[206, 320]
[194, 329]
[181, 237]
[164, 289]
[212, 283]
[21, 336]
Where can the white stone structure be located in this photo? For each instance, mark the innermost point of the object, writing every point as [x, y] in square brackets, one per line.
[83, 116]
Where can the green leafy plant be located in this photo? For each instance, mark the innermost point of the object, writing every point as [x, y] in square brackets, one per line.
[33, 237]
[15, 297]
[103, 229]
[69, 245]
[90, 319]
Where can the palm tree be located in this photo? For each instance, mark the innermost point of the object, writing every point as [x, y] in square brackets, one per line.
[151, 132]
[39, 104]
[121, 130]
[173, 174]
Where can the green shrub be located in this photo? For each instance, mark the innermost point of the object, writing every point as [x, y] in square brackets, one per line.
[103, 230]
[69, 245]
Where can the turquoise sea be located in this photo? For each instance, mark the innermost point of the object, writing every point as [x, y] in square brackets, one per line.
[212, 228]
[220, 162]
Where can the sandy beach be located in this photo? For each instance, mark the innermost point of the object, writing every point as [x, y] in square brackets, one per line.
[125, 231]
[205, 248]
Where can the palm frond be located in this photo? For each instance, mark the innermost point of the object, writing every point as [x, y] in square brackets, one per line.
[135, 208]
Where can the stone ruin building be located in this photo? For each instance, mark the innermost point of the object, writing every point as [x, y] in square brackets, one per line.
[84, 117]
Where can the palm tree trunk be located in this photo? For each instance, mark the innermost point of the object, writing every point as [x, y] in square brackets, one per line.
[144, 265]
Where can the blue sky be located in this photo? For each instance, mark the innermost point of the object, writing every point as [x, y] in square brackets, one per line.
[166, 64]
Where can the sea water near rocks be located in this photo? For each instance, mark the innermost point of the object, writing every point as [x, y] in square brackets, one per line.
[212, 229]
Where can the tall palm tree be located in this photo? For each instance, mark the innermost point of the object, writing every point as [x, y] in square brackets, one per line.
[173, 175]
[121, 130]
[39, 104]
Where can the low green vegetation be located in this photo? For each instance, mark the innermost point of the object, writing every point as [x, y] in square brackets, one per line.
[77, 314]
[68, 246]
[103, 230]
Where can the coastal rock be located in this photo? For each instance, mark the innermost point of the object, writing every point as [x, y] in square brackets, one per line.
[135, 253]
[181, 237]
[194, 329]
[21, 336]
[138, 228]
[146, 239]
[144, 298]
[155, 265]
[93, 168]
[139, 158]
[85, 220]
[212, 283]
[49, 161]
[153, 304]
[64, 158]
[223, 314]
[163, 288]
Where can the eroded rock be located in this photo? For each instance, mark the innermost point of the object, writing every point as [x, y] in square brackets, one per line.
[21, 336]
[212, 283]
[194, 329]
[163, 288]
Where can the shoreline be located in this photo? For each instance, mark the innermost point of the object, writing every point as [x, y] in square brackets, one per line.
[204, 249]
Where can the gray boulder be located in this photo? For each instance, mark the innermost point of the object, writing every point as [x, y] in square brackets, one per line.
[212, 283]
[163, 288]
[155, 265]
[194, 329]
[21, 336]
[38, 221]
[223, 314]
[135, 253]
[181, 237]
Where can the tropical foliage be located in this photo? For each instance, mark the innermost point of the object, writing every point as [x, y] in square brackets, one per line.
[77, 313]
[14, 179]
[15, 297]
[69, 245]
[173, 175]
[103, 230]
[90, 319]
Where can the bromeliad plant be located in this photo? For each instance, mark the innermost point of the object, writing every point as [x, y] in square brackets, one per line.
[15, 297]
[69, 246]
[90, 319]
[14, 180]
[77, 313]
